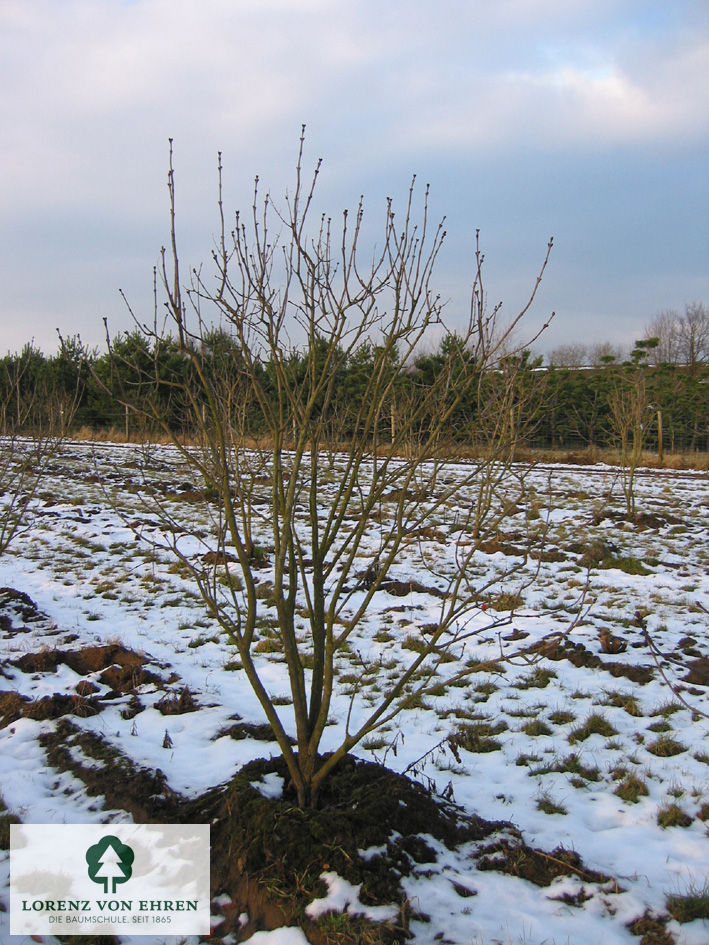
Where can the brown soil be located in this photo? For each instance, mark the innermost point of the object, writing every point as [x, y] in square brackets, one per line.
[261, 732]
[514, 857]
[516, 634]
[404, 588]
[393, 586]
[120, 669]
[268, 855]
[689, 647]
[14, 706]
[177, 703]
[652, 930]
[87, 660]
[500, 545]
[19, 613]
[579, 655]
[698, 674]
[193, 495]
[218, 557]
[654, 521]
[110, 775]
[610, 643]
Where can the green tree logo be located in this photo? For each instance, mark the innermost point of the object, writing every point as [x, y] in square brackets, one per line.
[110, 862]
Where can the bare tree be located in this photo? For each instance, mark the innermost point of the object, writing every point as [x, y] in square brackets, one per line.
[694, 336]
[605, 352]
[336, 495]
[683, 339]
[35, 416]
[666, 328]
[629, 416]
[570, 355]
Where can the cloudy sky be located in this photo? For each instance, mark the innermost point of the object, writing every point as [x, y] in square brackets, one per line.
[585, 120]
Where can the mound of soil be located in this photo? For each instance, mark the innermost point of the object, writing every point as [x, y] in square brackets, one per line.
[579, 655]
[652, 930]
[268, 854]
[218, 557]
[193, 495]
[698, 674]
[121, 669]
[514, 857]
[109, 774]
[501, 544]
[14, 706]
[261, 732]
[404, 588]
[654, 521]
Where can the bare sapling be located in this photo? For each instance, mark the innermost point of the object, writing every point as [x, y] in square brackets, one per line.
[331, 458]
[35, 416]
[630, 414]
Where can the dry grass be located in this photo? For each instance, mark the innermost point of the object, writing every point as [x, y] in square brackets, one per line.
[632, 789]
[584, 456]
[591, 455]
[673, 816]
[694, 904]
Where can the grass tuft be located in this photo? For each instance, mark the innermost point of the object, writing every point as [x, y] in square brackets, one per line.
[632, 789]
[525, 760]
[478, 736]
[667, 708]
[689, 906]
[561, 717]
[548, 805]
[626, 701]
[536, 727]
[671, 815]
[539, 678]
[657, 727]
[666, 747]
[595, 724]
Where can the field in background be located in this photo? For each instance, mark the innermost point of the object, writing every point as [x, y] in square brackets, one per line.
[575, 456]
[600, 748]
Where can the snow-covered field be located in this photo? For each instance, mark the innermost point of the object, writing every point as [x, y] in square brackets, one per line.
[597, 752]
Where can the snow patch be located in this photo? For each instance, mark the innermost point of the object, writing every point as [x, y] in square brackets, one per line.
[271, 786]
[344, 897]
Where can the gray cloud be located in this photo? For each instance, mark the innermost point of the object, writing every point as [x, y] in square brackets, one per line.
[589, 120]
